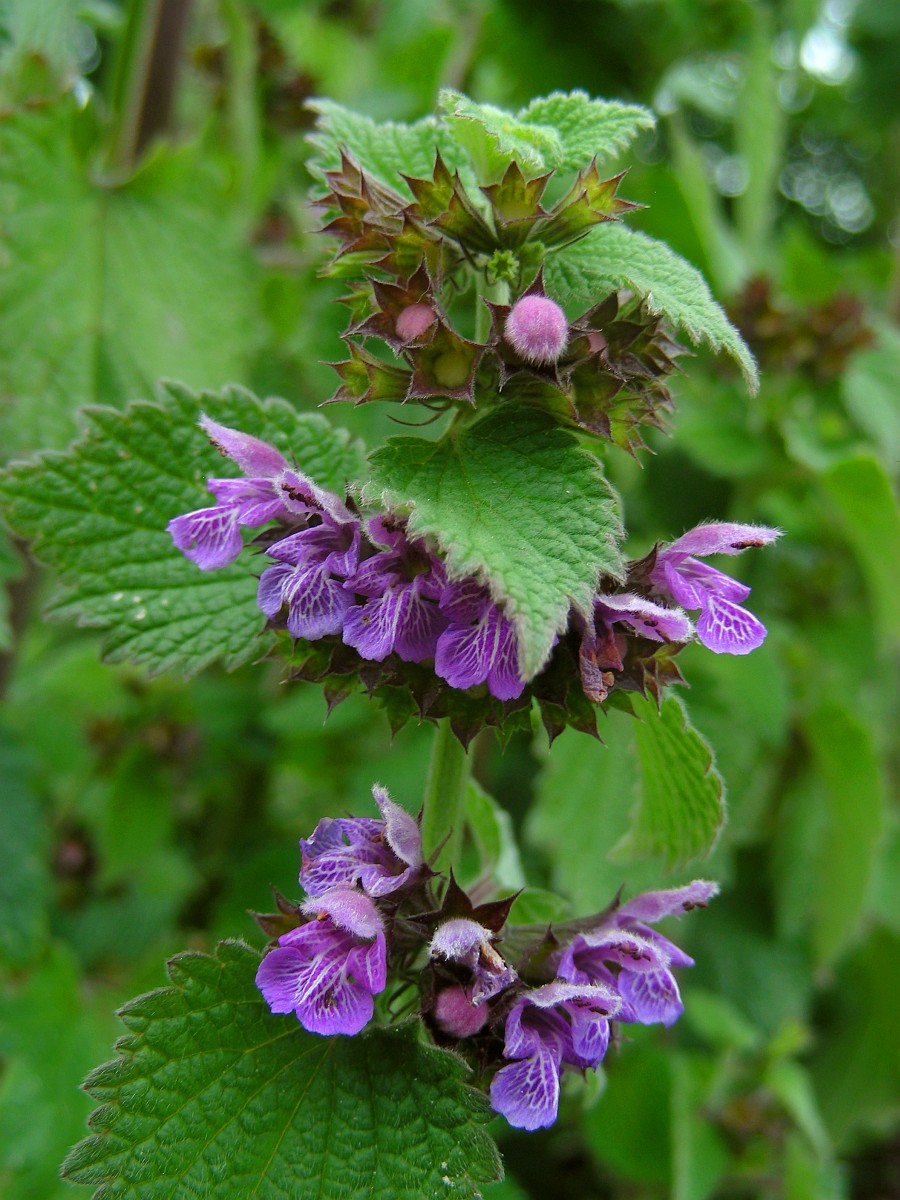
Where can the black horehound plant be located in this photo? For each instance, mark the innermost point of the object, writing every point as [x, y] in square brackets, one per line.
[471, 576]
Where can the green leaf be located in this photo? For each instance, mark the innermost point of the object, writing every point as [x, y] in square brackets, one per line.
[587, 127]
[25, 889]
[212, 1093]
[613, 256]
[11, 569]
[52, 1028]
[861, 493]
[109, 286]
[492, 136]
[98, 515]
[385, 150]
[513, 500]
[847, 768]
[854, 1064]
[681, 810]
[492, 831]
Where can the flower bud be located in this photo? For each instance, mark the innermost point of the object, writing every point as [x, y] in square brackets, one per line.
[456, 1014]
[413, 321]
[537, 329]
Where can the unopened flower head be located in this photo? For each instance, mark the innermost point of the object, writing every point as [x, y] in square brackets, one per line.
[469, 944]
[537, 329]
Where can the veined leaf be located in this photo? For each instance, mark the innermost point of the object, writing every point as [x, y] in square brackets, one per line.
[587, 128]
[213, 1094]
[385, 150]
[513, 500]
[681, 809]
[108, 287]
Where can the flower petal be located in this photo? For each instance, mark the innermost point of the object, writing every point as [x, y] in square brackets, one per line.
[722, 537]
[726, 628]
[527, 1092]
[253, 456]
[209, 537]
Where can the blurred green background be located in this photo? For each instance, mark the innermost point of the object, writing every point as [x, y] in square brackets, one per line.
[153, 223]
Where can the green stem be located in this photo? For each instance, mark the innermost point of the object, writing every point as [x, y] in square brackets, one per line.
[498, 292]
[445, 798]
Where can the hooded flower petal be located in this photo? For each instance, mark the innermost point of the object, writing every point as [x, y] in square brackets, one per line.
[253, 456]
[646, 618]
[468, 943]
[382, 856]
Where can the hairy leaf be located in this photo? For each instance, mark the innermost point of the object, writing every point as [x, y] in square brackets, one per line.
[513, 500]
[98, 515]
[681, 809]
[492, 136]
[586, 127]
[213, 1094]
[108, 288]
[613, 257]
[386, 150]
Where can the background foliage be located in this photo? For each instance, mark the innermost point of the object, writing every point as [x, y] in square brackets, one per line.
[154, 225]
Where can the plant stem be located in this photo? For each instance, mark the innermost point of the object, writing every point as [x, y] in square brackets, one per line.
[445, 795]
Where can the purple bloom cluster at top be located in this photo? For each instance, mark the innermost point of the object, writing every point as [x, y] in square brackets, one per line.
[381, 590]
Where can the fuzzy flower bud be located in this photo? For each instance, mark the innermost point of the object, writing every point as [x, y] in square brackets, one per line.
[413, 321]
[456, 1014]
[537, 329]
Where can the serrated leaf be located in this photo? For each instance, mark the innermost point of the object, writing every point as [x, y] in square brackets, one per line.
[109, 287]
[213, 1094]
[98, 515]
[681, 809]
[613, 256]
[587, 127]
[492, 136]
[513, 500]
[387, 150]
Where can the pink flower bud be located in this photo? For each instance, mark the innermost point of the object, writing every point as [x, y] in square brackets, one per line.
[456, 1014]
[537, 329]
[413, 321]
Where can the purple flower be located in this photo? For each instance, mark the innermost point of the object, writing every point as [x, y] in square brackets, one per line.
[625, 953]
[468, 943]
[380, 855]
[308, 578]
[270, 489]
[479, 644]
[328, 970]
[723, 625]
[546, 1028]
[402, 585]
[647, 619]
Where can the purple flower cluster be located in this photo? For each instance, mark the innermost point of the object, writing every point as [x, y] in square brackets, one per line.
[382, 591]
[620, 969]
[328, 970]
[369, 894]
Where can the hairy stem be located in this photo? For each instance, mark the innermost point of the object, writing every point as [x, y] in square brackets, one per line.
[445, 796]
